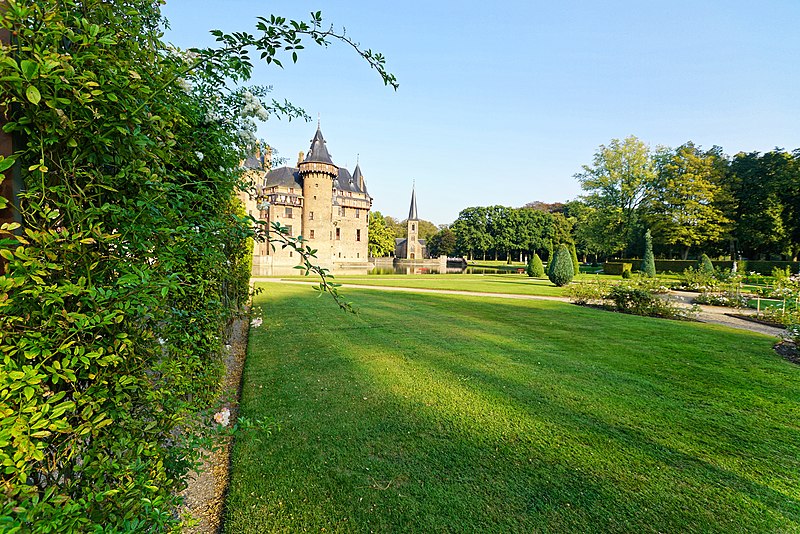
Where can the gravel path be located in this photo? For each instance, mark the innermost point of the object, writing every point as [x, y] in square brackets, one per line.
[708, 314]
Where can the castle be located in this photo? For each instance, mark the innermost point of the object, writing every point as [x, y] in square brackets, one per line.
[324, 203]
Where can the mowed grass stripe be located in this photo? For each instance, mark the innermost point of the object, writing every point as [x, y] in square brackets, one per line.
[486, 283]
[452, 413]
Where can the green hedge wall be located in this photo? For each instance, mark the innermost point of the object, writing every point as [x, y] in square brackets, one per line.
[678, 266]
[617, 267]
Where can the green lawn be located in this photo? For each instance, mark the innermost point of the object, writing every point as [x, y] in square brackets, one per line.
[431, 413]
[488, 283]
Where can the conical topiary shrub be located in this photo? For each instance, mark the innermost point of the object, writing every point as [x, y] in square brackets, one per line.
[649, 261]
[561, 270]
[576, 266]
[704, 265]
[535, 267]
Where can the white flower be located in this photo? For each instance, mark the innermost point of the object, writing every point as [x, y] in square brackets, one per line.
[255, 323]
[223, 417]
[185, 85]
[199, 155]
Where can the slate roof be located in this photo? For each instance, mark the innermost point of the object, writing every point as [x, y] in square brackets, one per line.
[412, 211]
[283, 176]
[318, 151]
[345, 181]
[253, 163]
[358, 179]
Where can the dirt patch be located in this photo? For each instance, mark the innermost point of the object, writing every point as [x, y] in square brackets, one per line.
[788, 351]
[204, 498]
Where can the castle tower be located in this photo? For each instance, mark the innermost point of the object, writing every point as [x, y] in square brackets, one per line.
[413, 248]
[318, 174]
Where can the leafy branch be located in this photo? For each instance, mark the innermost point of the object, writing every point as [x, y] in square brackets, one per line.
[280, 235]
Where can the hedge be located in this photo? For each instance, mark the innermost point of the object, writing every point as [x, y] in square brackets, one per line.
[130, 258]
[678, 266]
[617, 267]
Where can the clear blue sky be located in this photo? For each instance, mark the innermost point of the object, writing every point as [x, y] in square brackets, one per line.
[501, 103]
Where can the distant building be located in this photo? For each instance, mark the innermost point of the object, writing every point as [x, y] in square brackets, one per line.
[411, 247]
[324, 203]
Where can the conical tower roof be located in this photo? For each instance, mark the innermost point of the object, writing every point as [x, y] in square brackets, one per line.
[412, 211]
[318, 151]
[358, 179]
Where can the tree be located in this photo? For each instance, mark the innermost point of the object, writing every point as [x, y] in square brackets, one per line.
[535, 268]
[583, 230]
[649, 262]
[533, 229]
[502, 227]
[704, 264]
[443, 243]
[471, 232]
[561, 272]
[576, 266]
[681, 209]
[617, 182]
[381, 237]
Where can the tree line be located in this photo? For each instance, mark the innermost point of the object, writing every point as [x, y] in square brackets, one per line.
[692, 200]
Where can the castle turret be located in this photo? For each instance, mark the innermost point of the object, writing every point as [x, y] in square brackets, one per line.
[318, 174]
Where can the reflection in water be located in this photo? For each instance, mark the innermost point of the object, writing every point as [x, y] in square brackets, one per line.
[432, 270]
[382, 270]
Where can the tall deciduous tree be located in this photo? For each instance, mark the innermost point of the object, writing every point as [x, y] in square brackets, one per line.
[617, 183]
[681, 209]
[760, 219]
[442, 243]
[381, 237]
[472, 235]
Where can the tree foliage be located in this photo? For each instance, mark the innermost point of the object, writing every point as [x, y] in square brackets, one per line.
[561, 271]
[535, 267]
[443, 243]
[381, 237]
[648, 261]
[681, 208]
[617, 183]
[131, 258]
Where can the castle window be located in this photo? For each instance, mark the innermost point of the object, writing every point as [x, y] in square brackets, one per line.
[412, 226]
[310, 215]
[358, 254]
[358, 234]
[311, 234]
[289, 230]
[291, 190]
[317, 186]
[288, 212]
[315, 197]
[358, 213]
[341, 211]
[338, 234]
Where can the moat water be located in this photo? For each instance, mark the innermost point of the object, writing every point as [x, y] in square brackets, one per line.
[431, 270]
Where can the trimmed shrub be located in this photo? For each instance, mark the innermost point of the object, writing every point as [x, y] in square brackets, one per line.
[704, 264]
[616, 267]
[648, 263]
[576, 266]
[626, 274]
[561, 271]
[535, 267]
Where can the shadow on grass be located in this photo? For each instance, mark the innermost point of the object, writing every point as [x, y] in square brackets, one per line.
[433, 414]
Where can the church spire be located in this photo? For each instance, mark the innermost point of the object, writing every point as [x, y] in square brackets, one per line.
[412, 211]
